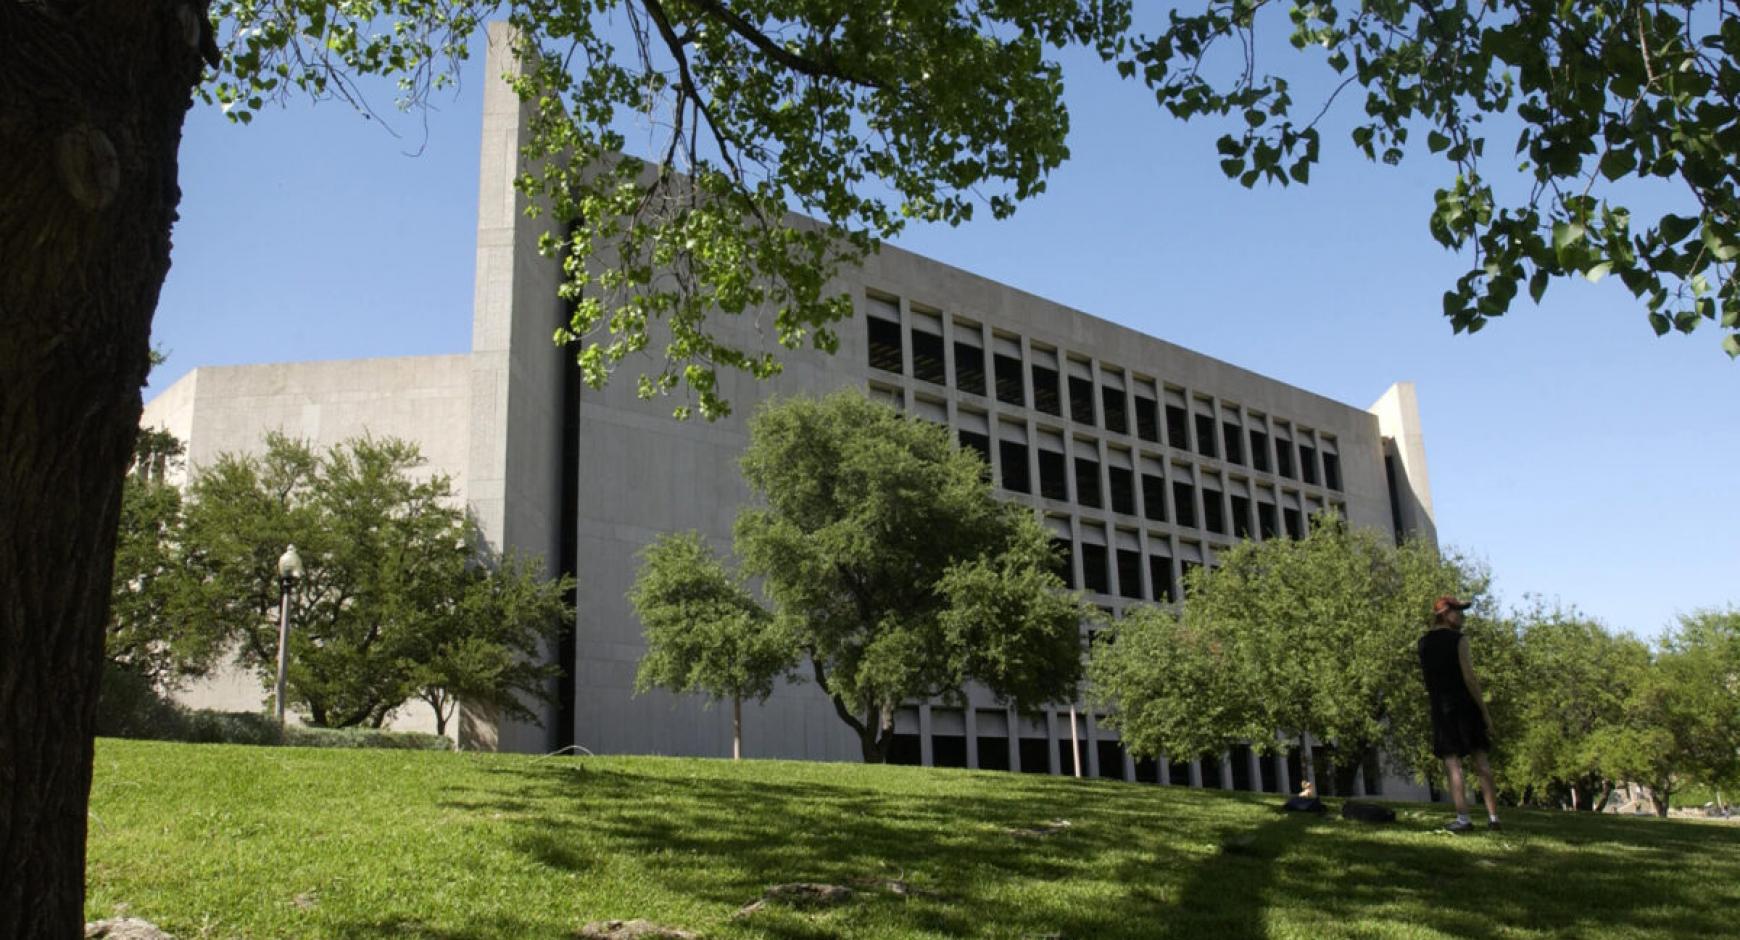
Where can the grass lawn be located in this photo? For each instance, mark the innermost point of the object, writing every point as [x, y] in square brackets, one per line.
[223, 841]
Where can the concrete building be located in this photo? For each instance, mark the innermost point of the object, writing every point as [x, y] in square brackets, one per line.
[1144, 458]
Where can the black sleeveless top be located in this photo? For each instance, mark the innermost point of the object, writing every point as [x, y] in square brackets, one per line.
[1441, 667]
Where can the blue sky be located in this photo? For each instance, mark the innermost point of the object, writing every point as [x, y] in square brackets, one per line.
[1582, 458]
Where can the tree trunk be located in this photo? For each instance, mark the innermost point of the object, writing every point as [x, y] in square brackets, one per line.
[92, 97]
[737, 727]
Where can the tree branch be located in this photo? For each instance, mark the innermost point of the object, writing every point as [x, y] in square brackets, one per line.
[804, 66]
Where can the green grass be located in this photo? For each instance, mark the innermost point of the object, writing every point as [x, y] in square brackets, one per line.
[224, 841]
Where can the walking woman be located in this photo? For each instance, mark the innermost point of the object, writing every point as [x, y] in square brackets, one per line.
[1460, 724]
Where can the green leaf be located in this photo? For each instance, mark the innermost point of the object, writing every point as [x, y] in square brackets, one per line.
[1538, 284]
[1598, 271]
[1731, 345]
[1566, 234]
[1618, 164]
[1674, 228]
[1436, 142]
[1660, 323]
[1232, 168]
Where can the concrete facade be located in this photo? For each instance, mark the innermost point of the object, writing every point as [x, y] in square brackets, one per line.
[511, 423]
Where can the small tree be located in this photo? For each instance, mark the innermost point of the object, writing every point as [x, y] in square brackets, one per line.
[484, 636]
[1313, 636]
[898, 573]
[704, 632]
[396, 600]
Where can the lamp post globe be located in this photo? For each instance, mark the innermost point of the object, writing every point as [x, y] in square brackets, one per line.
[289, 572]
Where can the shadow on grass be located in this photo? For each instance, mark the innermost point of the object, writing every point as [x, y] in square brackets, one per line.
[1151, 862]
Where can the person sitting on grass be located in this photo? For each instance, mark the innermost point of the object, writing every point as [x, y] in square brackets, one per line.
[1460, 724]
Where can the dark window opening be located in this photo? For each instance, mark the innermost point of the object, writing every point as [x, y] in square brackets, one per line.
[994, 752]
[1284, 459]
[1147, 419]
[1395, 496]
[1035, 755]
[1087, 482]
[1153, 497]
[1067, 750]
[1213, 511]
[1081, 400]
[1295, 523]
[1205, 435]
[1053, 477]
[1184, 570]
[1308, 463]
[1332, 471]
[1178, 773]
[1211, 771]
[1234, 439]
[948, 750]
[1260, 451]
[1123, 490]
[1010, 389]
[1266, 520]
[885, 352]
[905, 750]
[970, 368]
[1241, 517]
[1130, 573]
[1111, 755]
[1015, 475]
[1112, 406]
[1147, 770]
[1177, 427]
[1045, 393]
[1063, 560]
[927, 358]
[1241, 768]
[1160, 573]
[1184, 503]
[1266, 773]
[1094, 575]
[980, 444]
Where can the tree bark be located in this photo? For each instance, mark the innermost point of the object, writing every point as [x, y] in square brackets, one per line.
[92, 98]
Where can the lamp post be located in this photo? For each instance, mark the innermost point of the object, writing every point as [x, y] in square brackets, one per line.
[289, 572]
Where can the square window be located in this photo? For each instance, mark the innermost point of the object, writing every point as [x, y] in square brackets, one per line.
[1148, 419]
[1045, 396]
[1260, 450]
[1081, 400]
[1234, 438]
[1014, 458]
[885, 351]
[1184, 503]
[1087, 482]
[1094, 574]
[927, 358]
[969, 369]
[1153, 497]
[1053, 476]
[1112, 406]
[1010, 388]
[1123, 490]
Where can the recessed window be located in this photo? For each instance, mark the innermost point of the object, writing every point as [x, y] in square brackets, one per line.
[1213, 511]
[927, 357]
[1010, 389]
[1266, 520]
[1295, 523]
[1148, 419]
[1153, 497]
[1087, 482]
[1241, 517]
[1332, 470]
[1177, 427]
[1045, 393]
[1014, 460]
[1129, 573]
[1112, 406]
[1081, 400]
[1205, 435]
[978, 443]
[969, 368]
[1308, 463]
[1094, 574]
[1284, 458]
[1260, 450]
[1063, 560]
[1053, 475]
[885, 352]
[1184, 503]
[1234, 438]
[1123, 484]
[1160, 573]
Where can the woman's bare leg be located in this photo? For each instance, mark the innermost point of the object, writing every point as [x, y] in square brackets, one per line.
[1488, 792]
[1458, 791]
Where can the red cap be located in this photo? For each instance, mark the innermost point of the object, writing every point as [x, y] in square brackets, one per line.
[1446, 603]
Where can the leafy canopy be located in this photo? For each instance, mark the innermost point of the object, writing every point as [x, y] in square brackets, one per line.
[398, 599]
[895, 569]
[865, 114]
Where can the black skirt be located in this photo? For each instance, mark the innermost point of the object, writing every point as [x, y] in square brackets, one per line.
[1458, 728]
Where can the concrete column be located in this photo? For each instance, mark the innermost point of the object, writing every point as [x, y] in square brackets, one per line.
[1256, 771]
[1165, 772]
[1359, 782]
[924, 751]
[1281, 776]
[1052, 764]
[1014, 741]
[969, 721]
[1196, 774]
[1129, 761]
[1226, 776]
[1090, 745]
